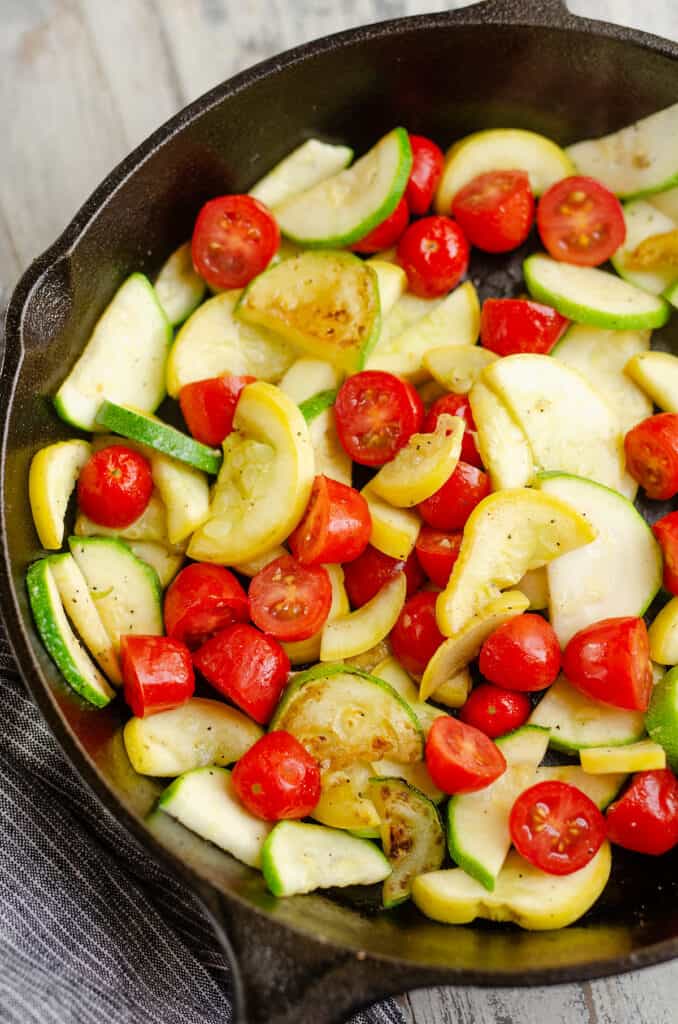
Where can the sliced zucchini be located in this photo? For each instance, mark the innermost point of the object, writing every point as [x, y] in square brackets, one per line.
[637, 160]
[344, 208]
[657, 374]
[577, 722]
[299, 858]
[150, 526]
[148, 430]
[394, 530]
[662, 716]
[322, 303]
[317, 404]
[408, 310]
[392, 672]
[205, 802]
[359, 631]
[416, 775]
[199, 733]
[602, 789]
[165, 562]
[309, 377]
[592, 296]
[646, 755]
[502, 443]
[345, 800]
[458, 367]
[52, 477]
[663, 634]
[178, 287]
[307, 165]
[643, 222]
[391, 283]
[124, 359]
[535, 586]
[303, 652]
[421, 468]
[666, 202]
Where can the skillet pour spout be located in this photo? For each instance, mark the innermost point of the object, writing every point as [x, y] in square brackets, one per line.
[504, 63]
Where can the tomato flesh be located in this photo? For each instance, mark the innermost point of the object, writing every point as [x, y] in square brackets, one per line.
[494, 710]
[651, 449]
[456, 405]
[376, 414]
[610, 661]
[208, 406]
[666, 532]
[415, 637]
[247, 667]
[460, 758]
[645, 818]
[580, 221]
[449, 508]
[336, 525]
[115, 486]
[556, 827]
[495, 210]
[289, 600]
[277, 778]
[157, 673]
[437, 552]
[510, 326]
[427, 167]
[234, 239]
[521, 654]
[434, 253]
[387, 233]
[372, 570]
[201, 600]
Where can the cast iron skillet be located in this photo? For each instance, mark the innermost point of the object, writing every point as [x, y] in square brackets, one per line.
[503, 63]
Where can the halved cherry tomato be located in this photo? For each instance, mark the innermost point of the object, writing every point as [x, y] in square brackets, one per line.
[373, 569]
[494, 710]
[427, 166]
[437, 552]
[277, 778]
[580, 221]
[456, 405]
[202, 600]
[495, 210]
[208, 406]
[234, 239]
[449, 508]
[387, 233]
[645, 818]
[610, 661]
[460, 758]
[376, 414]
[666, 532]
[415, 637]
[434, 254]
[248, 667]
[336, 525]
[157, 673]
[115, 486]
[289, 600]
[521, 654]
[651, 450]
[509, 326]
[556, 827]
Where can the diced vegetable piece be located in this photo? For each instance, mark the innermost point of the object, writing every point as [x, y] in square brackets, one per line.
[394, 530]
[391, 282]
[178, 287]
[422, 467]
[657, 374]
[82, 612]
[307, 165]
[458, 367]
[636, 757]
[502, 443]
[360, 630]
[53, 474]
[577, 722]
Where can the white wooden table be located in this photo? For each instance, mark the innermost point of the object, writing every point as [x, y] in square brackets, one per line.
[81, 83]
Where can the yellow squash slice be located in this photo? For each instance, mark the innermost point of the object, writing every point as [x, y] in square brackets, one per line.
[458, 367]
[643, 756]
[502, 444]
[344, 800]
[360, 630]
[52, 477]
[422, 467]
[303, 652]
[657, 374]
[394, 530]
[663, 635]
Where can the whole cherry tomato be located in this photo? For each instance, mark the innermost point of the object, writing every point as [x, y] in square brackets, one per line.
[509, 326]
[208, 406]
[556, 827]
[495, 210]
[434, 254]
[580, 221]
[387, 233]
[456, 405]
[277, 778]
[437, 552]
[157, 673]
[610, 661]
[201, 600]
[115, 486]
[645, 818]
[373, 569]
[376, 414]
[289, 600]
[427, 166]
[666, 532]
[652, 455]
[234, 239]
[494, 710]
[460, 758]
[415, 637]
[521, 654]
[336, 526]
[449, 508]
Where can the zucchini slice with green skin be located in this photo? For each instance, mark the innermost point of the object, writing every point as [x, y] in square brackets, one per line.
[643, 221]
[592, 296]
[576, 722]
[178, 287]
[344, 208]
[307, 165]
[662, 716]
[343, 715]
[124, 359]
[313, 406]
[82, 612]
[298, 858]
[411, 833]
[602, 789]
[138, 426]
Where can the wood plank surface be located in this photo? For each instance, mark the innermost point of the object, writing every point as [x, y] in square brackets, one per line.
[83, 81]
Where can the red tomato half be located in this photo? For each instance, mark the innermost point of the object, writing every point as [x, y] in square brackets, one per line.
[373, 569]
[437, 552]
[277, 778]
[289, 600]
[415, 637]
[651, 450]
[645, 818]
[387, 233]
[434, 254]
[610, 661]
[115, 486]
[495, 210]
[208, 406]
[336, 525]
[456, 405]
[248, 667]
[556, 827]
[494, 710]
[449, 508]
[509, 326]
[234, 239]
[580, 221]
[157, 673]
[666, 532]
[461, 759]
[376, 414]
[202, 600]
[521, 654]
[427, 166]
